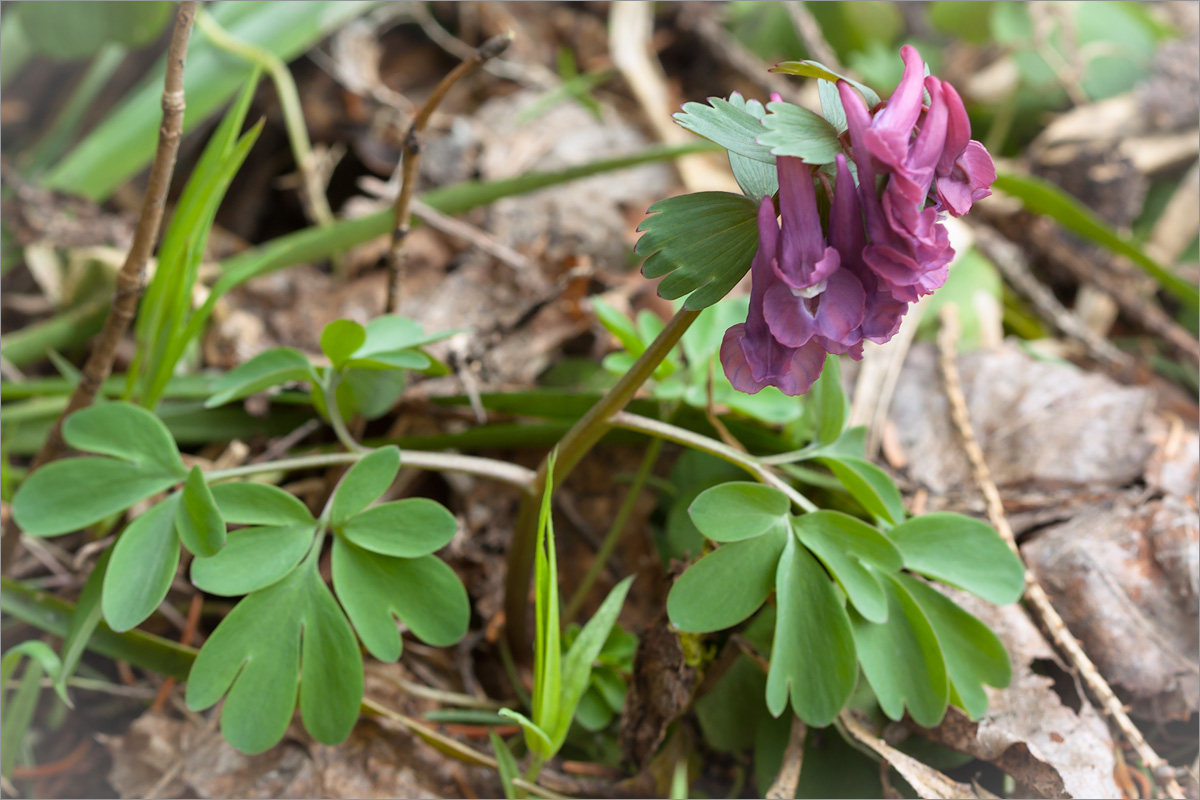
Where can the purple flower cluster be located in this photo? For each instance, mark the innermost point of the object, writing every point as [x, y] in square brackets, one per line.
[813, 293]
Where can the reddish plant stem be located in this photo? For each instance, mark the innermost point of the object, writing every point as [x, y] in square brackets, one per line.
[577, 442]
[131, 280]
[411, 156]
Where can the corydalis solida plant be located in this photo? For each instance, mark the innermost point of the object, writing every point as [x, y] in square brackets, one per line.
[815, 292]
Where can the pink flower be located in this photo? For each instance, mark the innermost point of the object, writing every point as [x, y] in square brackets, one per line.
[813, 292]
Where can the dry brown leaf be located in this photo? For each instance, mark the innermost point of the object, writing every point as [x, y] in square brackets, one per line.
[1050, 748]
[1041, 424]
[1123, 578]
[925, 780]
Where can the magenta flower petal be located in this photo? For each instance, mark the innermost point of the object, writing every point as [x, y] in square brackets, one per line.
[845, 217]
[890, 132]
[969, 181]
[803, 370]
[958, 130]
[804, 260]
[788, 316]
[913, 177]
[840, 307]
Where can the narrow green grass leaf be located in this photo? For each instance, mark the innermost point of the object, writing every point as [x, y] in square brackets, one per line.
[52, 615]
[578, 661]
[509, 771]
[546, 698]
[86, 615]
[124, 143]
[18, 715]
[1042, 197]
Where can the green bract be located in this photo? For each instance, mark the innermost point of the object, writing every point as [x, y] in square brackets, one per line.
[702, 243]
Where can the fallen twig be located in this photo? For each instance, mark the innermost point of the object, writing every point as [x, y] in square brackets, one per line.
[411, 156]
[793, 759]
[131, 279]
[924, 779]
[1015, 269]
[1143, 311]
[1036, 600]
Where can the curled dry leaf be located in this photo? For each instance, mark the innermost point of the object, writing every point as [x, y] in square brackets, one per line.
[1040, 424]
[1124, 580]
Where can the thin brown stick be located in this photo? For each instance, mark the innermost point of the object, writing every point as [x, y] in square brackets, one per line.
[809, 31]
[793, 759]
[1044, 235]
[1013, 266]
[131, 280]
[1036, 600]
[411, 156]
[189, 632]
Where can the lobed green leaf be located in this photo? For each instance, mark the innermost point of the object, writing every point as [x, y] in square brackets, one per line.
[813, 655]
[270, 368]
[702, 243]
[407, 528]
[902, 659]
[340, 339]
[974, 655]
[794, 131]
[815, 69]
[248, 503]
[867, 484]
[142, 567]
[738, 510]
[76, 492]
[423, 593]
[198, 520]
[729, 124]
[841, 542]
[963, 552]
[364, 483]
[290, 633]
[744, 571]
[253, 559]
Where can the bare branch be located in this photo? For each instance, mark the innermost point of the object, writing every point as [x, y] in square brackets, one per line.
[131, 280]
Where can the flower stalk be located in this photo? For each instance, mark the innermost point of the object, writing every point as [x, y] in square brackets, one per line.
[577, 442]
